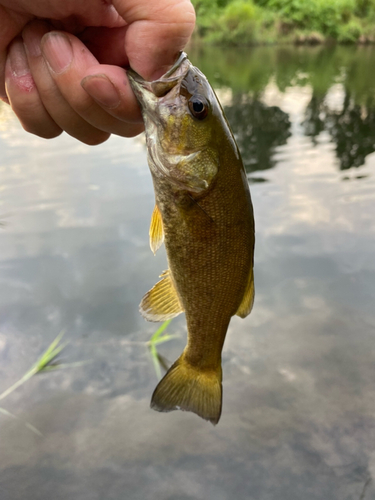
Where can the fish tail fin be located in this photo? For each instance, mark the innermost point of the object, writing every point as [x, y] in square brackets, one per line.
[185, 387]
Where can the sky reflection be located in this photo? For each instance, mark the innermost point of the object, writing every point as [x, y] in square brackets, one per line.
[299, 404]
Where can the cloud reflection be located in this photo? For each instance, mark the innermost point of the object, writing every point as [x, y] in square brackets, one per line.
[298, 419]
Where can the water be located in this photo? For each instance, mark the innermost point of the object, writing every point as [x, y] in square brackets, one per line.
[299, 379]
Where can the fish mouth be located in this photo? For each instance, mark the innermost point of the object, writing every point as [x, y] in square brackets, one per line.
[160, 100]
[148, 92]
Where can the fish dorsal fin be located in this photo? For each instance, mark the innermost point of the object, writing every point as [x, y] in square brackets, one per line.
[248, 298]
[156, 230]
[161, 302]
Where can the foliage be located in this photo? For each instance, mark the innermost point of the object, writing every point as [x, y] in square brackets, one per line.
[321, 15]
[247, 22]
[238, 23]
[365, 7]
[233, 22]
[207, 11]
[349, 32]
[238, 12]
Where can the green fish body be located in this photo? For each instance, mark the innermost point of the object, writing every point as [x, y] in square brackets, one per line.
[204, 215]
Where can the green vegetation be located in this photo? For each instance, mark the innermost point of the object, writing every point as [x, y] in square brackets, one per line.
[250, 22]
[47, 362]
[155, 340]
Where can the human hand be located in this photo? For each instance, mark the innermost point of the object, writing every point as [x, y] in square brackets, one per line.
[72, 79]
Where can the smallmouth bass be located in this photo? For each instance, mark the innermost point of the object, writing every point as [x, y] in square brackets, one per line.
[204, 215]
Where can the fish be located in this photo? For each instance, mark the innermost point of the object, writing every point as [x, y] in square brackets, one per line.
[204, 215]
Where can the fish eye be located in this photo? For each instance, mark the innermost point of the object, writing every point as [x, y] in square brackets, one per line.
[198, 107]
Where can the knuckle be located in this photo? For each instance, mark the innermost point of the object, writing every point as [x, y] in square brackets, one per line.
[85, 107]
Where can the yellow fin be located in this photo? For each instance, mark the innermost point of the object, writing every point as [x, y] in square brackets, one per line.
[156, 230]
[161, 302]
[187, 388]
[248, 298]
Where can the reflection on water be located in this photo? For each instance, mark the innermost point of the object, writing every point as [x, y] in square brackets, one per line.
[258, 129]
[353, 131]
[352, 128]
[299, 383]
[342, 99]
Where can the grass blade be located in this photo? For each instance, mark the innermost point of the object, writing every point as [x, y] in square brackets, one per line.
[47, 362]
[159, 331]
[156, 339]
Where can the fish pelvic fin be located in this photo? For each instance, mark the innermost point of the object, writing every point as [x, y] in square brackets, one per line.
[156, 230]
[248, 298]
[188, 388]
[161, 302]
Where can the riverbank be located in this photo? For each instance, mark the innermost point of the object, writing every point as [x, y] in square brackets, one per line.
[265, 22]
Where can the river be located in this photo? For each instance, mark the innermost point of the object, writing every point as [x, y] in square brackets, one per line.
[298, 417]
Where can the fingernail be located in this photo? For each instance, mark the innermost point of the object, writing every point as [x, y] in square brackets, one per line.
[102, 90]
[57, 51]
[18, 60]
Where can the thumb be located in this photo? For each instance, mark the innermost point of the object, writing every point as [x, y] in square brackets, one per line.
[157, 32]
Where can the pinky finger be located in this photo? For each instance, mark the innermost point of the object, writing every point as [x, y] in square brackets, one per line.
[23, 94]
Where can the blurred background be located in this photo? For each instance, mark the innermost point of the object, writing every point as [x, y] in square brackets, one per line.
[299, 381]
[246, 22]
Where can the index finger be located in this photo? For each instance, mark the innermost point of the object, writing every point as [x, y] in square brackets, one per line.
[158, 30]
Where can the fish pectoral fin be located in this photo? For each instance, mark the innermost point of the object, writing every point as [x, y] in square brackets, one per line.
[161, 302]
[248, 298]
[156, 230]
[188, 388]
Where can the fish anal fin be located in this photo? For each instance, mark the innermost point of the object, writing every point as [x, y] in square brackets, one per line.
[161, 302]
[187, 388]
[156, 230]
[248, 298]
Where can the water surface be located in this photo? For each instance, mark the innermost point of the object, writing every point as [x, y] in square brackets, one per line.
[299, 373]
